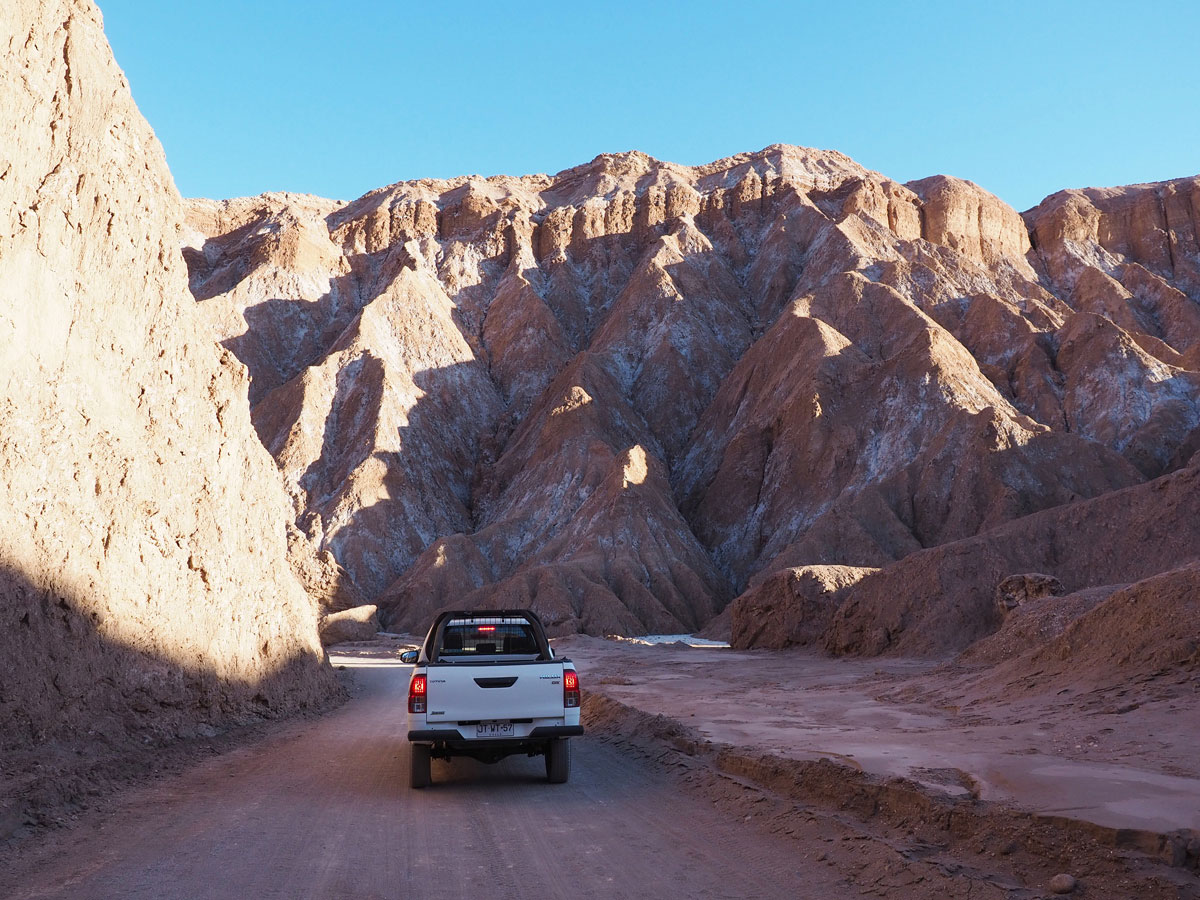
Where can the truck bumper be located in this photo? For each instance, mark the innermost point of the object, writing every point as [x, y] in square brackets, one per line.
[542, 732]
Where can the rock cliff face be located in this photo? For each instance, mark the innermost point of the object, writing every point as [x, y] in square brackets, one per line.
[144, 584]
[628, 392]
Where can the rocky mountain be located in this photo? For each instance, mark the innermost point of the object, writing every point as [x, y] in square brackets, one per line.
[145, 591]
[627, 393]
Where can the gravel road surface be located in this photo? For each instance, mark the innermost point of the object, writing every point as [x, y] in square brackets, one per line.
[322, 809]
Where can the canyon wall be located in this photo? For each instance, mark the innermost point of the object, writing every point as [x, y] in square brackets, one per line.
[145, 590]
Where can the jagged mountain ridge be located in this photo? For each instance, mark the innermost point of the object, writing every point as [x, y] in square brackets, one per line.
[624, 393]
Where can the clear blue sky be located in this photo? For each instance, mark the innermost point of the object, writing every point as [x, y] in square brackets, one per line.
[338, 98]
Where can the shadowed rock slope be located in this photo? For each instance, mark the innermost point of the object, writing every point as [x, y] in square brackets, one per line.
[144, 586]
[628, 392]
[942, 598]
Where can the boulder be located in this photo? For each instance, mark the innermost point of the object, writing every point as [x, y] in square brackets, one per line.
[1062, 883]
[791, 608]
[1015, 590]
[361, 623]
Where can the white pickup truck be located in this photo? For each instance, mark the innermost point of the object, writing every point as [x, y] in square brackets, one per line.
[486, 684]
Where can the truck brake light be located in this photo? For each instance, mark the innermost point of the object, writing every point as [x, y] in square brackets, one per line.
[416, 694]
[570, 689]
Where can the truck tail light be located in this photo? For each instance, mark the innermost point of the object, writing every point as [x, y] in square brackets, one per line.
[570, 689]
[416, 694]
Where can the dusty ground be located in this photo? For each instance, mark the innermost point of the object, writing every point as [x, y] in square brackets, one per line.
[1018, 784]
[323, 809]
[1125, 759]
[765, 776]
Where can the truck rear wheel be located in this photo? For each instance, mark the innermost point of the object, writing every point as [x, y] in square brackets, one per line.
[420, 776]
[558, 761]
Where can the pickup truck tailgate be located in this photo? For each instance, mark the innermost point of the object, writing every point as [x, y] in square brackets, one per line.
[461, 692]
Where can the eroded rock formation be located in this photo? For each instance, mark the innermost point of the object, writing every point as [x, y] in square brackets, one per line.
[942, 598]
[144, 584]
[803, 362]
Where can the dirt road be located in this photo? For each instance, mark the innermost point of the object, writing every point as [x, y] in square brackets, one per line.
[323, 809]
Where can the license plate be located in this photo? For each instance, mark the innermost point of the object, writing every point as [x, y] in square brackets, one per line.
[494, 730]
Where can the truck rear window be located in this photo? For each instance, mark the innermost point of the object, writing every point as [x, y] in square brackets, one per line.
[466, 640]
